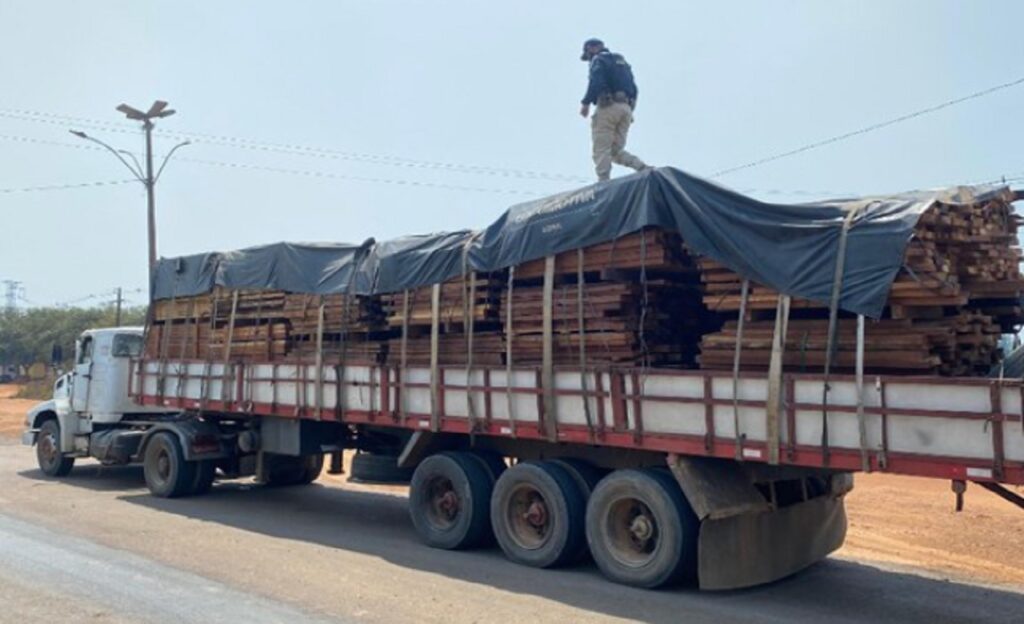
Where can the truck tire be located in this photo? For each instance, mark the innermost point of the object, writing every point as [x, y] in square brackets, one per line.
[584, 474]
[286, 470]
[167, 473]
[206, 470]
[538, 515]
[449, 501]
[493, 463]
[51, 461]
[376, 468]
[313, 466]
[641, 530]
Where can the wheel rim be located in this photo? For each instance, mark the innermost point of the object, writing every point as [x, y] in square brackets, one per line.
[47, 449]
[162, 470]
[443, 503]
[528, 517]
[633, 533]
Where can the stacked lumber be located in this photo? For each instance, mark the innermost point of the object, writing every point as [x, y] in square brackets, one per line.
[960, 287]
[645, 301]
[966, 344]
[655, 322]
[351, 327]
[470, 301]
[265, 325]
[653, 250]
[640, 305]
[453, 306]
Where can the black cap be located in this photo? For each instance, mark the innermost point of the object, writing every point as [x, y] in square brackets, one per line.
[589, 42]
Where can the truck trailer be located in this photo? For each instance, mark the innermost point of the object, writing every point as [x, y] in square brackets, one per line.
[660, 474]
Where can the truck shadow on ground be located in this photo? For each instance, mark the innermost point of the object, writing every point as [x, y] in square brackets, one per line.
[378, 525]
[95, 476]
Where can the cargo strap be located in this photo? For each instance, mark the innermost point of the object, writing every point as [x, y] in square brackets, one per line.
[833, 317]
[403, 357]
[205, 381]
[548, 360]
[340, 402]
[319, 362]
[862, 427]
[744, 295]
[468, 326]
[227, 348]
[509, 337]
[644, 305]
[435, 372]
[584, 385]
[248, 387]
[183, 351]
[773, 407]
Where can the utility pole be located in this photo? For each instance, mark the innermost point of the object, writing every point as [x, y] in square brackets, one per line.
[117, 314]
[146, 176]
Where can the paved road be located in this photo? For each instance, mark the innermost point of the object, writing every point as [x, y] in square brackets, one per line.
[117, 585]
[345, 554]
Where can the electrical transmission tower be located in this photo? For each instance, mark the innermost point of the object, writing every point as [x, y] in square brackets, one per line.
[12, 293]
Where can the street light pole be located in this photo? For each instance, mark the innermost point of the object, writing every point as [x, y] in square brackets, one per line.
[150, 198]
[148, 178]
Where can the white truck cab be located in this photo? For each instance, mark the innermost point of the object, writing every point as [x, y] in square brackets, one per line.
[90, 403]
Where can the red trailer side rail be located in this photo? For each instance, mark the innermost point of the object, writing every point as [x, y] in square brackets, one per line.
[949, 428]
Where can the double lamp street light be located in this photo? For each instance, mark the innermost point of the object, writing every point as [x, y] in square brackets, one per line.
[146, 176]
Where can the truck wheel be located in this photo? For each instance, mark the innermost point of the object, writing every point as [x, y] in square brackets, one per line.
[51, 461]
[287, 470]
[449, 501]
[205, 471]
[312, 466]
[493, 463]
[641, 530]
[538, 512]
[376, 468]
[167, 473]
[584, 474]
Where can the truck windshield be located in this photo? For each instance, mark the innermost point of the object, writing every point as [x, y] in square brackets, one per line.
[127, 345]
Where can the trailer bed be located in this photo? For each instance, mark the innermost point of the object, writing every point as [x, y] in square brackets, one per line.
[949, 428]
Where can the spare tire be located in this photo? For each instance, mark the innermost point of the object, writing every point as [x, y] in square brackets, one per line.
[374, 468]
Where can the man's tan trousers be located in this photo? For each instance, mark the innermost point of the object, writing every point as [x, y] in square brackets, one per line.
[610, 127]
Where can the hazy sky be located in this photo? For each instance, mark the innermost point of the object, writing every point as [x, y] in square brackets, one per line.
[392, 91]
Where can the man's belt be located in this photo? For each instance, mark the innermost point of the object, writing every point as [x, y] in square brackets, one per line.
[619, 97]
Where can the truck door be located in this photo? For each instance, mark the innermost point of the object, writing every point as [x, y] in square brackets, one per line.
[82, 374]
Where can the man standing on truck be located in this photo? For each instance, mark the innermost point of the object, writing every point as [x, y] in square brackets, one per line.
[613, 91]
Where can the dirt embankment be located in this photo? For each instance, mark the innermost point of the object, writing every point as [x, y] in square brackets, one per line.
[900, 521]
[12, 410]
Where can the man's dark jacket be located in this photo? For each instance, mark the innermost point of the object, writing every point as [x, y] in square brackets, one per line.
[603, 76]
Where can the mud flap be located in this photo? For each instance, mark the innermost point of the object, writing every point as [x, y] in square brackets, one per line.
[755, 548]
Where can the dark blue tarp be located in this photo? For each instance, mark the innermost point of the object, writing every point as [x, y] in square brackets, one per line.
[791, 248]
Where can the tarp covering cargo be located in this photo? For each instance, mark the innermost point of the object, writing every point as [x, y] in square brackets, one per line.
[791, 248]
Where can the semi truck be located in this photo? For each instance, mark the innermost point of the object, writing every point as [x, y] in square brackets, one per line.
[723, 479]
[659, 485]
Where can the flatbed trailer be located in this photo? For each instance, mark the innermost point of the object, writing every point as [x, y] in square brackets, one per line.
[724, 479]
[762, 466]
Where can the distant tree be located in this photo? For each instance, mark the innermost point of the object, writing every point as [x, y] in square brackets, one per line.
[30, 336]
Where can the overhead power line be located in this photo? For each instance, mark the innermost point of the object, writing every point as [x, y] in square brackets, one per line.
[283, 170]
[104, 297]
[61, 187]
[294, 149]
[867, 129]
[357, 178]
